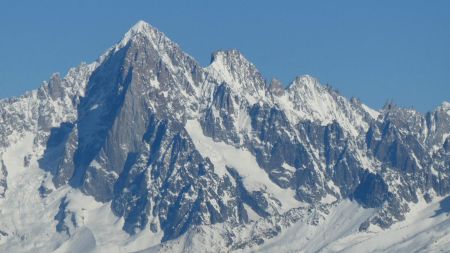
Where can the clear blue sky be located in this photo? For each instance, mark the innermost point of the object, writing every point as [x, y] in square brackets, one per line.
[374, 50]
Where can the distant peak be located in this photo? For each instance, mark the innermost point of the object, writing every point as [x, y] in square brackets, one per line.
[227, 55]
[141, 25]
[304, 81]
[233, 62]
[239, 73]
[144, 28]
[445, 105]
[141, 28]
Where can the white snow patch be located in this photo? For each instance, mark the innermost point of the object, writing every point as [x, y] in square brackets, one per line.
[254, 177]
[288, 167]
[252, 215]
[344, 219]
[14, 157]
[373, 113]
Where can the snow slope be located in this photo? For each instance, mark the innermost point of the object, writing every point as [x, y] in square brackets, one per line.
[424, 230]
[255, 179]
[29, 220]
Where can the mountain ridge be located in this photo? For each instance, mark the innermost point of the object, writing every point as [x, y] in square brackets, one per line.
[174, 151]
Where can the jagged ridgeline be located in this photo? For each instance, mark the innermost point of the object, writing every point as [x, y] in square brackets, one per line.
[145, 149]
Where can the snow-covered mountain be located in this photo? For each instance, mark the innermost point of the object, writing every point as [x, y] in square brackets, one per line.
[145, 150]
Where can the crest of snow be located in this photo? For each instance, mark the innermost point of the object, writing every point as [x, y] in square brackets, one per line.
[177, 62]
[158, 40]
[25, 111]
[306, 99]
[373, 113]
[254, 177]
[155, 37]
[239, 74]
[141, 27]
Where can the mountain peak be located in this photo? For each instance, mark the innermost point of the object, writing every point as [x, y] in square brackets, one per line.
[141, 28]
[240, 74]
[231, 58]
[304, 80]
[389, 105]
[445, 105]
[228, 54]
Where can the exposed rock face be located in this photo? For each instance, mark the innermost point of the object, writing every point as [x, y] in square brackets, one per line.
[3, 182]
[117, 130]
[276, 87]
